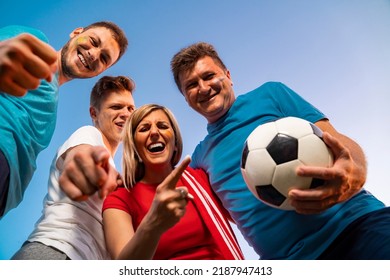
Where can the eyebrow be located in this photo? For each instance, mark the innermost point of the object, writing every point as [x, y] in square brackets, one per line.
[143, 122]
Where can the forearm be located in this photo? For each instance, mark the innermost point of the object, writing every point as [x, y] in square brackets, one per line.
[143, 244]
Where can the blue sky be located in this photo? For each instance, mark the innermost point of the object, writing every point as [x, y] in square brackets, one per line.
[335, 53]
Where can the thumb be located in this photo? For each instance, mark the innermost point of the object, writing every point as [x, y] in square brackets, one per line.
[53, 69]
[333, 144]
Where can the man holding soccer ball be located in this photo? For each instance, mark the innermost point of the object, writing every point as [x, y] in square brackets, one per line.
[339, 220]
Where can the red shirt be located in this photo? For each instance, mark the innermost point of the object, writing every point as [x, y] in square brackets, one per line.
[189, 239]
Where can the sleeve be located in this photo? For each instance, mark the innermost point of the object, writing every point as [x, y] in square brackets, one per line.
[84, 135]
[89, 135]
[117, 200]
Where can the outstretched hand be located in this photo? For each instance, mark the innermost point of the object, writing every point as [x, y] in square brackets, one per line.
[169, 203]
[24, 61]
[342, 180]
[85, 170]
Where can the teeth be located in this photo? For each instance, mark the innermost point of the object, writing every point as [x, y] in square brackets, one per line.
[207, 98]
[156, 147]
[82, 59]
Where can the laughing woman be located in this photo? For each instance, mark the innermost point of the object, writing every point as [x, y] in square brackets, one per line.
[163, 212]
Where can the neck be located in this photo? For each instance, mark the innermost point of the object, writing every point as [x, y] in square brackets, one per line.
[111, 147]
[156, 174]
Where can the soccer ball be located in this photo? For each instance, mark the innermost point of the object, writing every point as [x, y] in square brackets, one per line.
[272, 153]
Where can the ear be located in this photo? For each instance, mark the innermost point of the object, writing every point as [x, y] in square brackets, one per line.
[76, 32]
[228, 75]
[93, 113]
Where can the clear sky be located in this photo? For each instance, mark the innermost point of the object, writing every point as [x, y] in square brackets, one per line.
[335, 53]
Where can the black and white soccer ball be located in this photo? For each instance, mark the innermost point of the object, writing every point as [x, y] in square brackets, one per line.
[272, 153]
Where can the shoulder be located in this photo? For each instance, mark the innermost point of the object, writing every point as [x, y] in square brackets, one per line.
[269, 90]
[15, 30]
[120, 192]
[268, 87]
[87, 133]
[277, 87]
[87, 129]
[197, 172]
[199, 175]
[117, 199]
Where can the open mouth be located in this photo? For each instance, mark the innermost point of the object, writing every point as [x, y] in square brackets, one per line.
[156, 147]
[83, 60]
[120, 124]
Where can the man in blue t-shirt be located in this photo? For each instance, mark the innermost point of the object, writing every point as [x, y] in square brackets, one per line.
[339, 220]
[29, 93]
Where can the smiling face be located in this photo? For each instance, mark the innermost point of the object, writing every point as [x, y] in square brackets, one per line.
[88, 54]
[155, 141]
[207, 89]
[111, 116]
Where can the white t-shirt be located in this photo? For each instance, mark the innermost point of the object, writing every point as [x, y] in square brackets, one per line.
[75, 228]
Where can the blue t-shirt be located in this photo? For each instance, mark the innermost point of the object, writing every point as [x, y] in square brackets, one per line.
[273, 233]
[26, 125]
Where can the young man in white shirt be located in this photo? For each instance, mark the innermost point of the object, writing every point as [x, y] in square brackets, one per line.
[68, 228]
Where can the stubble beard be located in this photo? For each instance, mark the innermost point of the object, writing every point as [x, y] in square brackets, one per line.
[67, 71]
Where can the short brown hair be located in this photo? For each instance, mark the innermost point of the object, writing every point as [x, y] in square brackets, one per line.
[108, 84]
[118, 34]
[187, 57]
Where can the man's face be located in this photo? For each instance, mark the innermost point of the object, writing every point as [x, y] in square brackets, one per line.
[208, 89]
[112, 115]
[89, 53]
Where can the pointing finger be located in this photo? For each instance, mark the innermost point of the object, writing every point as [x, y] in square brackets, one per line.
[172, 179]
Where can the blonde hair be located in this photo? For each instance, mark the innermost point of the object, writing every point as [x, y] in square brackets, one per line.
[132, 166]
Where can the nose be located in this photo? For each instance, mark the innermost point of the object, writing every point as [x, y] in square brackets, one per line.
[154, 132]
[203, 87]
[124, 113]
[94, 53]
